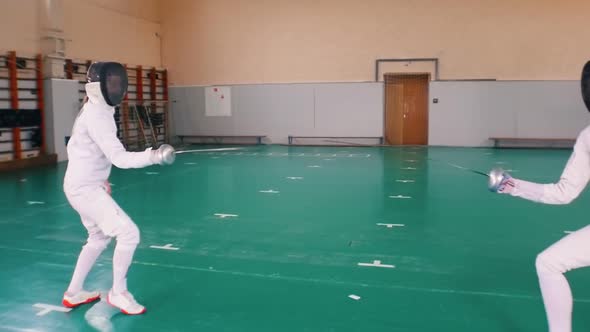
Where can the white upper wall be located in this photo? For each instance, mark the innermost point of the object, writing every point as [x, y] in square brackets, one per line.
[208, 42]
[120, 30]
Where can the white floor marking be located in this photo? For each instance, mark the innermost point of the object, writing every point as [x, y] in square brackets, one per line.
[296, 256]
[456, 166]
[409, 168]
[152, 173]
[329, 281]
[294, 177]
[225, 215]
[405, 181]
[400, 197]
[55, 265]
[47, 308]
[354, 297]
[391, 225]
[190, 163]
[315, 166]
[568, 232]
[269, 191]
[377, 264]
[165, 247]
[18, 329]
[35, 202]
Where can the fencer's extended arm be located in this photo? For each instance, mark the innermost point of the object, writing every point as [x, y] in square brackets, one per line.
[573, 180]
[103, 131]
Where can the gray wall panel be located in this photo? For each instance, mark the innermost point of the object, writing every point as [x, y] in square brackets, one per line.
[61, 108]
[280, 110]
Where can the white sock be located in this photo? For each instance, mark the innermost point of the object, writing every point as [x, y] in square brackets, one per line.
[86, 260]
[121, 262]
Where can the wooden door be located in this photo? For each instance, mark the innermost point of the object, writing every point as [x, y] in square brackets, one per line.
[406, 109]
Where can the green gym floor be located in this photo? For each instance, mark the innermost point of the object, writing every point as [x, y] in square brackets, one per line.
[270, 238]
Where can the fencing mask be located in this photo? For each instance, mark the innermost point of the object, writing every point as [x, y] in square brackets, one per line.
[586, 85]
[113, 80]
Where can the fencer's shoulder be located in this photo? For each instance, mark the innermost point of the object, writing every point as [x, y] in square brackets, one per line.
[585, 134]
[583, 139]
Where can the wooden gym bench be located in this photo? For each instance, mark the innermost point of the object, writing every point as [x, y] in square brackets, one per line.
[513, 142]
[218, 139]
[338, 139]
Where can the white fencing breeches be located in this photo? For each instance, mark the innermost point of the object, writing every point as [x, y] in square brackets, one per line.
[101, 214]
[571, 252]
[104, 219]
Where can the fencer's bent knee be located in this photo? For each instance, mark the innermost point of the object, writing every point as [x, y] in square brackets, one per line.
[128, 235]
[98, 241]
[546, 263]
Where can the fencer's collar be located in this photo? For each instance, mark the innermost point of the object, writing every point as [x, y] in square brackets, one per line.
[95, 95]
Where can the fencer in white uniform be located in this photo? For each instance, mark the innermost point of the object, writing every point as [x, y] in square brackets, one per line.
[572, 251]
[92, 150]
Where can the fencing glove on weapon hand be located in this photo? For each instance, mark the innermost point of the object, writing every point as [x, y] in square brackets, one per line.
[164, 155]
[500, 181]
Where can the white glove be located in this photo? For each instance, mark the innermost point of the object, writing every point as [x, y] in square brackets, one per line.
[500, 181]
[164, 155]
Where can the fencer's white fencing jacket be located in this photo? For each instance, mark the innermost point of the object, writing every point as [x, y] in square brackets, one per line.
[94, 147]
[573, 180]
